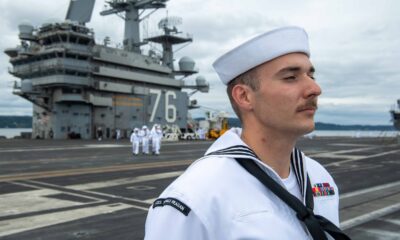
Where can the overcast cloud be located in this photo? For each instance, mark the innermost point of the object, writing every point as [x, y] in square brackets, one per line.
[354, 46]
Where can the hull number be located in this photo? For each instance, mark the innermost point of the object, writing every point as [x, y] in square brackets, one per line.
[170, 109]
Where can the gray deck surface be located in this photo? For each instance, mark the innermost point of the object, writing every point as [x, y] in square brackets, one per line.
[76, 189]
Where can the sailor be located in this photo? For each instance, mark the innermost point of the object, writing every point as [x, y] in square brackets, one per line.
[99, 134]
[144, 138]
[118, 134]
[135, 140]
[156, 136]
[253, 183]
[51, 133]
[201, 133]
[152, 133]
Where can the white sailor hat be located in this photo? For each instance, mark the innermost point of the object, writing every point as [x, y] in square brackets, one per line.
[261, 49]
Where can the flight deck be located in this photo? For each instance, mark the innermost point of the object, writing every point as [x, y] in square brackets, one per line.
[87, 189]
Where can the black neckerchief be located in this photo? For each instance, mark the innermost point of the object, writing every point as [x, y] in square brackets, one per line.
[317, 225]
[242, 151]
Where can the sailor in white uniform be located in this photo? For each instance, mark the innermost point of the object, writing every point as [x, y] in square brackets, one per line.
[118, 134]
[135, 140]
[156, 136]
[144, 136]
[271, 87]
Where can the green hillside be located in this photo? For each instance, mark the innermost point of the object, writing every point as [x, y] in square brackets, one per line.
[26, 122]
[15, 122]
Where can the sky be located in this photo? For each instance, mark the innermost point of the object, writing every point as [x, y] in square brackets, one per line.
[355, 47]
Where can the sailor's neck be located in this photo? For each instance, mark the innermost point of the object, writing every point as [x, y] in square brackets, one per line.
[274, 149]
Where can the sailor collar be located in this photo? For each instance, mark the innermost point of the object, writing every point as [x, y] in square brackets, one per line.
[230, 145]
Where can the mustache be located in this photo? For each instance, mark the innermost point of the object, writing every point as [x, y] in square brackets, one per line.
[309, 104]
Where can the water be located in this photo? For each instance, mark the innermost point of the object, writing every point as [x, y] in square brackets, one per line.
[13, 132]
[351, 133]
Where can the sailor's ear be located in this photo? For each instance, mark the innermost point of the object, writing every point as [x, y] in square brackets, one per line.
[242, 95]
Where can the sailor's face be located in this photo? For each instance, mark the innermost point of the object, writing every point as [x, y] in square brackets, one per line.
[287, 98]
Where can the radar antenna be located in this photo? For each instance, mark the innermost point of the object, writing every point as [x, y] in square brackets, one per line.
[168, 24]
[169, 38]
[132, 18]
[80, 11]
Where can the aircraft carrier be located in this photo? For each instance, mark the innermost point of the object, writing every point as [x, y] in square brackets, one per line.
[80, 87]
[85, 189]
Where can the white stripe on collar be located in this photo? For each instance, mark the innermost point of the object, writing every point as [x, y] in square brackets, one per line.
[234, 147]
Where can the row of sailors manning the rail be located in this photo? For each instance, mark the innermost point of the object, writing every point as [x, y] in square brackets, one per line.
[145, 136]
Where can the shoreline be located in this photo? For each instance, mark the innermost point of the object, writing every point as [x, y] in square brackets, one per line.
[15, 134]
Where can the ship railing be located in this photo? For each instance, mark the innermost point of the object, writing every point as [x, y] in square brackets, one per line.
[179, 34]
[74, 46]
[70, 46]
[54, 66]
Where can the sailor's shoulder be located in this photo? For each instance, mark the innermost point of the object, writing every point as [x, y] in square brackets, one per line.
[317, 172]
[205, 171]
[203, 184]
[314, 165]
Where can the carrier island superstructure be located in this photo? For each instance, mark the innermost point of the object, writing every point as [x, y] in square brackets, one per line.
[78, 86]
[395, 113]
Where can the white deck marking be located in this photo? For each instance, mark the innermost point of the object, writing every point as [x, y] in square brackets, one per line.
[343, 151]
[32, 201]
[380, 234]
[99, 145]
[84, 188]
[368, 190]
[369, 216]
[64, 148]
[150, 201]
[358, 158]
[351, 144]
[124, 181]
[392, 221]
[29, 223]
[354, 168]
[104, 145]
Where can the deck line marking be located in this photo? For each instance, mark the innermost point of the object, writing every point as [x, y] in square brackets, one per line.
[392, 221]
[80, 171]
[361, 158]
[61, 148]
[124, 181]
[369, 216]
[65, 189]
[33, 201]
[69, 193]
[150, 201]
[33, 222]
[382, 234]
[323, 154]
[89, 145]
[125, 155]
[121, 197]
[368, 190]
[351, 144]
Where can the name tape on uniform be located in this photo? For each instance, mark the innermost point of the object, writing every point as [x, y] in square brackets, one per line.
[173, 202]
